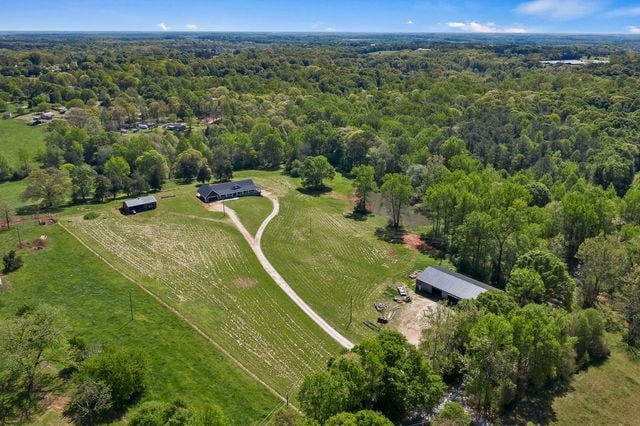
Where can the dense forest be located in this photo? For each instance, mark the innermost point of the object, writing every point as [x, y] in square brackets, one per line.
[526, 173]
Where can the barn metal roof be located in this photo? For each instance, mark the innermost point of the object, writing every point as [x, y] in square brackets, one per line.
[457, 285]
[135, 202]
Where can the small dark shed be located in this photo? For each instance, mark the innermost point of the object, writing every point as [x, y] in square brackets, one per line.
[137, 205]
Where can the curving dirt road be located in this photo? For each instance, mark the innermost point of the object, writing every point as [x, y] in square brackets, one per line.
[254, 243]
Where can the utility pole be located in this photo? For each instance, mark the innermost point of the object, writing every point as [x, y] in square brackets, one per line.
[224, 212]
[131, 304]
[19, 239]
[350, 312]
[309, 225]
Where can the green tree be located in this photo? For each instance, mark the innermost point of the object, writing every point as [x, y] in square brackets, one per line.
[153, 167]
[526, 286]
[204, 174]
[360, 418]
[396, 189]
[102, 188]
[452, 414]
[30, 343]
[188, 164]
[631, 307]
[603, 265]
[83, 179]
[90, 401]
[7, 213]
[50, 187]
[117, 170]
[323, 395]
[558, 284]
[5, 169]
[123, 370]
[364, 182]
[314, 170]
[490, 364]
[587, 328]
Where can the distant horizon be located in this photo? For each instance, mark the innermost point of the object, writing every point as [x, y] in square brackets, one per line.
[331, 16]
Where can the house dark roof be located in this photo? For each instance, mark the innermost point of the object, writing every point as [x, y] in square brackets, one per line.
[227, 188]
[135, 202]
[455, 284]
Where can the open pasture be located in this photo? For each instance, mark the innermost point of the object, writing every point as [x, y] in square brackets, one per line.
[204, 269]
[95, 298]
[330, 258]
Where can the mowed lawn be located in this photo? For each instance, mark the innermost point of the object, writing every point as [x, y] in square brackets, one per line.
[16, 135]
[182, 364]
[11, 191]
[330, 258]
[608, 394]
[198, 263]
[252, 211]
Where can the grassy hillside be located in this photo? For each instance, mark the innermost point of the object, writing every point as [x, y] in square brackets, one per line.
[320, 250]
[16, 135]
[605, 394]
[198, 263]
[96, 300]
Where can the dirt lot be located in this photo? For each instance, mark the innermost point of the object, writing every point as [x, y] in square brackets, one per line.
[409, 319]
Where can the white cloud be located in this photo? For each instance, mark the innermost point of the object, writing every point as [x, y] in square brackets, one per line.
[560, 9]
[192, 26]
[625, 11]
[330, 29]
[163, 26]
[633, 29]
[489, 27]
[410, 22]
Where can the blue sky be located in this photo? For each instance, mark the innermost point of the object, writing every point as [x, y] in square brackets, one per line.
[555, 16]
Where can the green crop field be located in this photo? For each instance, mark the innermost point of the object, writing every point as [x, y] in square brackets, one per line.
[353, 262]
[198, 263]
[182, 364]
[16, 135]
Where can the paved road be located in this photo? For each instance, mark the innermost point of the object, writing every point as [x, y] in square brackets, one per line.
[254, 242]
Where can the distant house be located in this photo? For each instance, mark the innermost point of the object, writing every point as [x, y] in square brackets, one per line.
[137, 205]
[223, 191]
[449, 285]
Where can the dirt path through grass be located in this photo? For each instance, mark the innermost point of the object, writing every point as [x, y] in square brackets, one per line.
[254, 243]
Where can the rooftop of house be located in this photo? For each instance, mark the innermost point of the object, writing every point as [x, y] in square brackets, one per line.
[141, 201]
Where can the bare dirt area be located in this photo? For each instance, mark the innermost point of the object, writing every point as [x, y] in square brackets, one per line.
[414, 242]
[409, 320]
[245, 282]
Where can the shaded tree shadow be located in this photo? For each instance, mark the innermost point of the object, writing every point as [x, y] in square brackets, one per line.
[537, 407]
[358, 215]
[390, 234]
[314, 192]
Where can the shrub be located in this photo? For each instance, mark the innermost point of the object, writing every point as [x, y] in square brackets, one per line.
[452, 414]
[91, 215]
[90, 401]
[11, 262]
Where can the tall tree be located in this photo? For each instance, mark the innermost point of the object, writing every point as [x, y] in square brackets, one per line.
[396, 189]
[364, 182]
[50, 187]
[314, 170]
[153, 167]
[83, 180]
[188, 164]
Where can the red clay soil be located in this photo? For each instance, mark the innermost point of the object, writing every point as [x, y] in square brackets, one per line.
[413, 241]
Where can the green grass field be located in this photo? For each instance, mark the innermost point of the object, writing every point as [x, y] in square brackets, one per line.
[11, 191]
[198, 263]
[321, 251]
[96, 300]
[16, 134]
[252, 211]
[608, 394]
